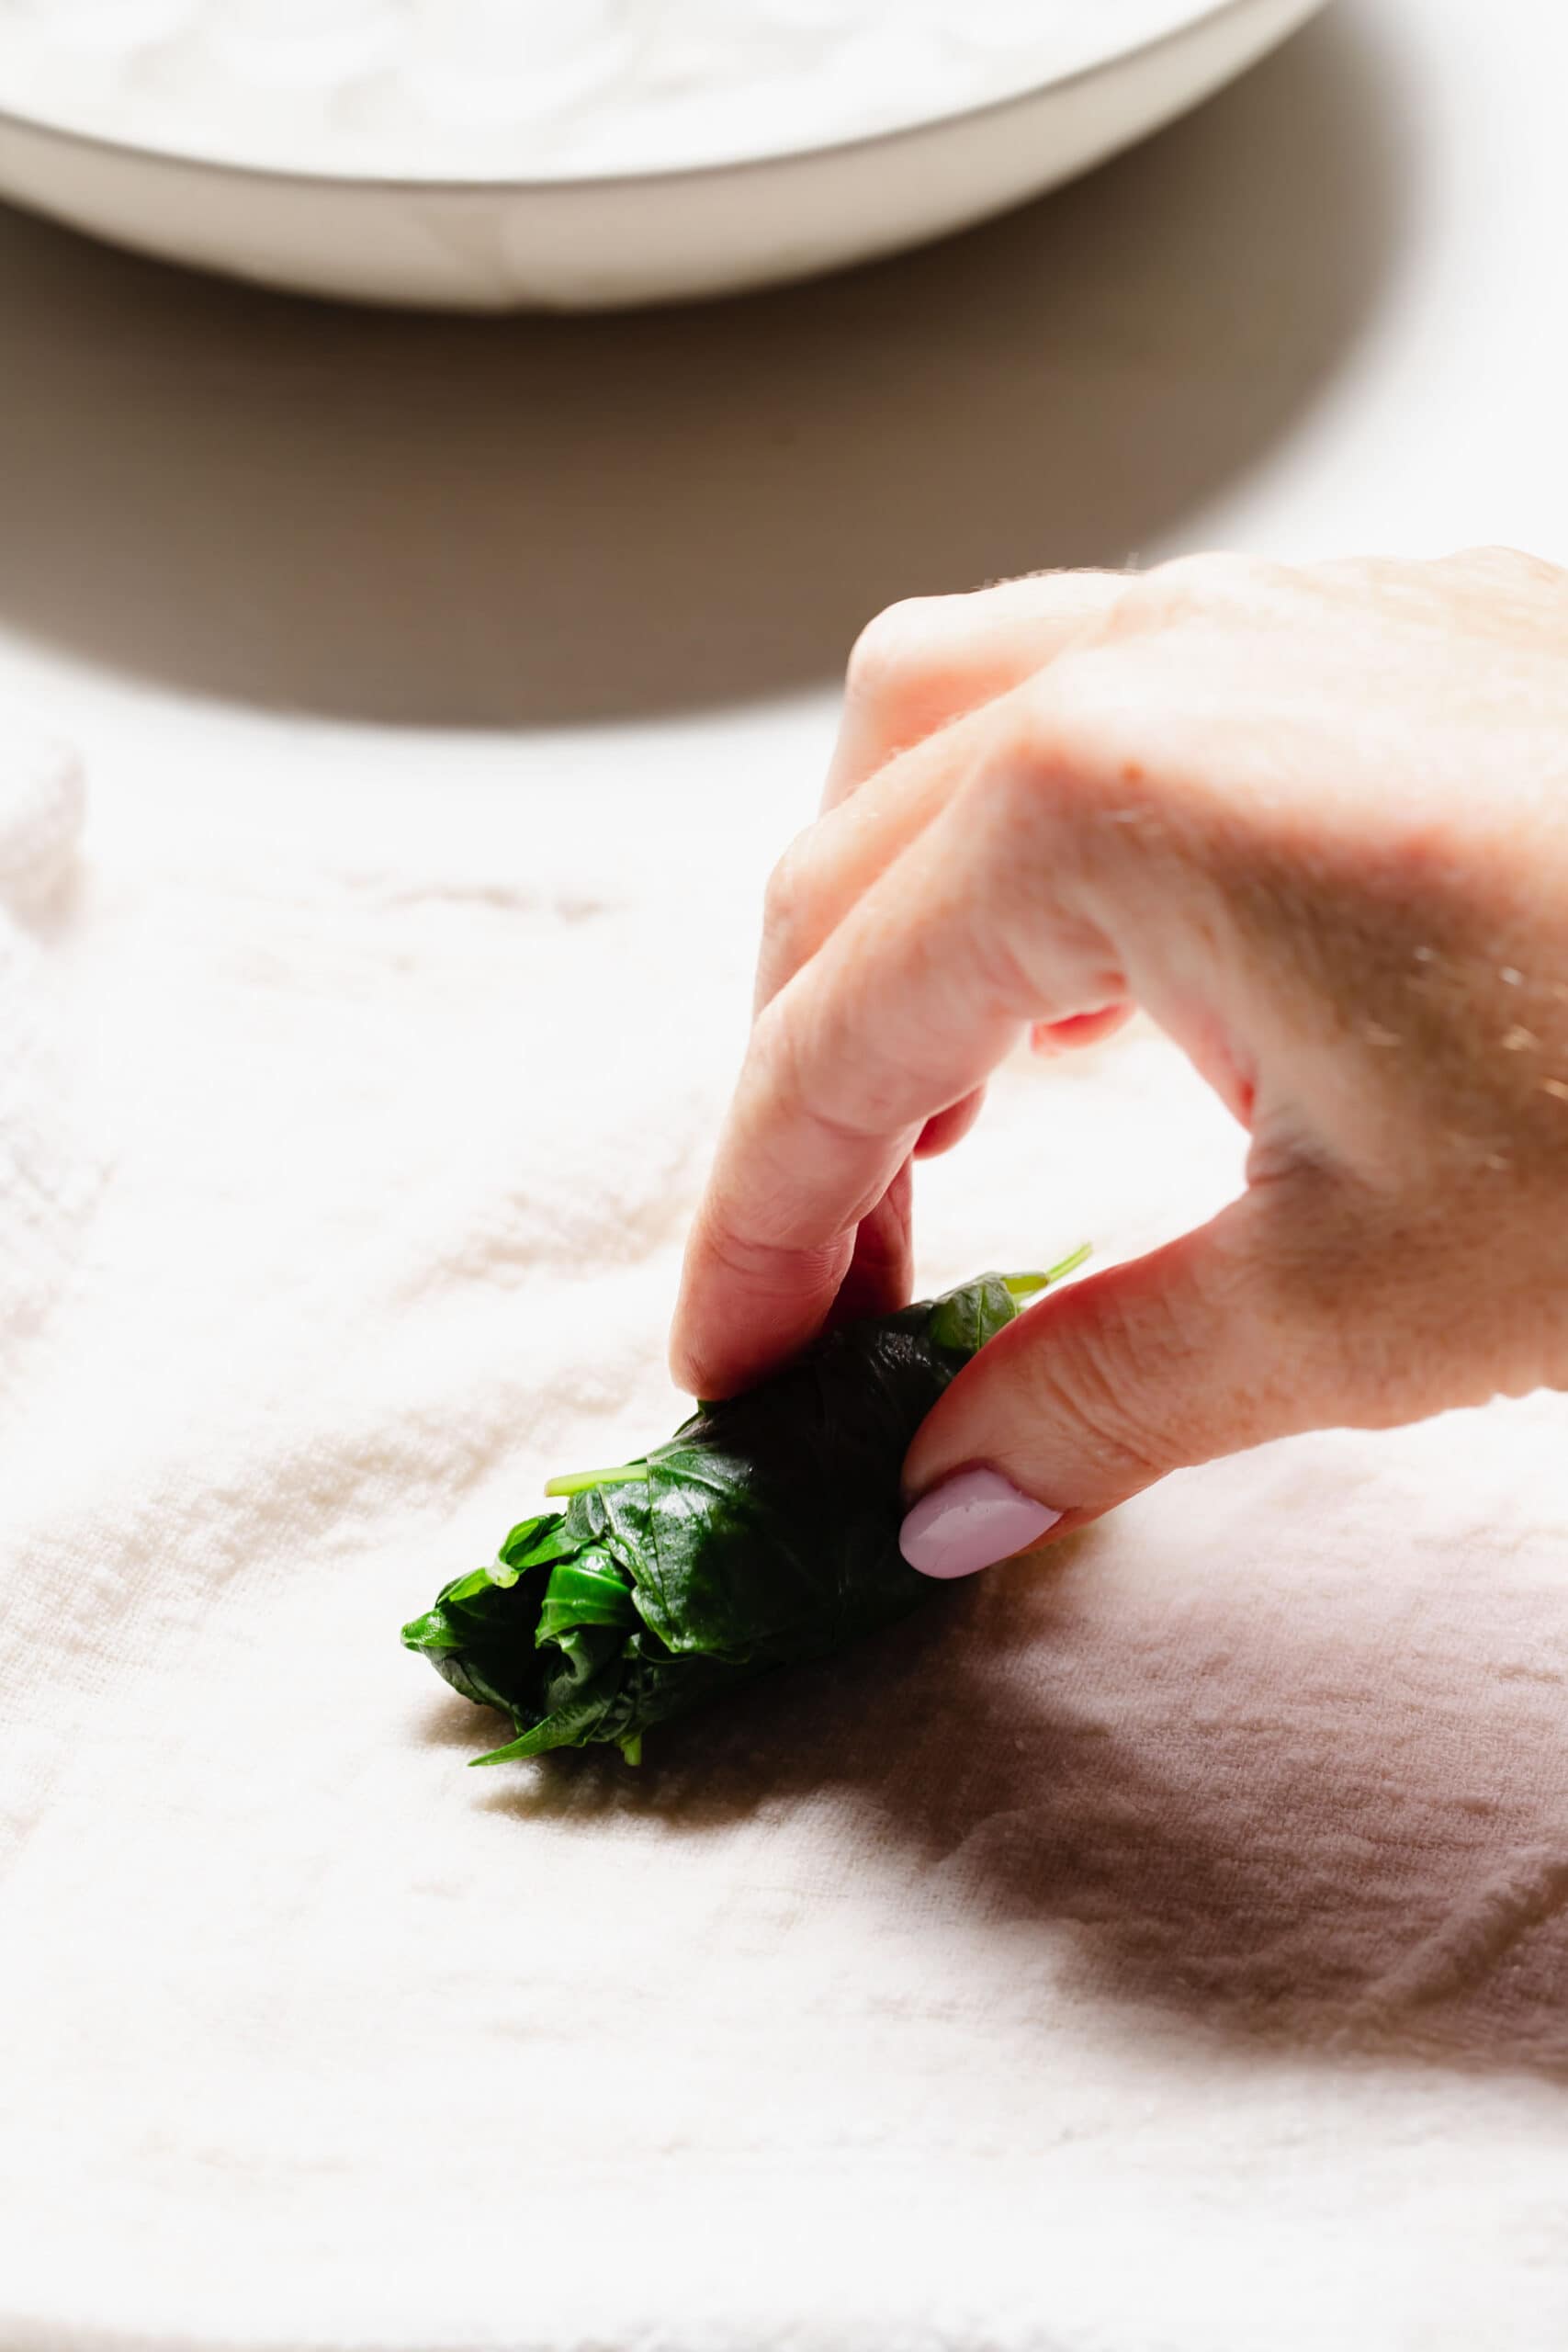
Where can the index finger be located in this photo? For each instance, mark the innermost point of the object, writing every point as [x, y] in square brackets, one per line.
[931, 660]
[917, 996]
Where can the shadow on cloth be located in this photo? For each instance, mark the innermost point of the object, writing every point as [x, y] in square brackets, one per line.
[1261, 1826]
[526, 520]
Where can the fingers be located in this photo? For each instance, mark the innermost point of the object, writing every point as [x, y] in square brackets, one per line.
[881, 1272]
[923, 663]
[918, 669]
[921, 993]
[949, 1127]
[1235, 1335]
[829, 870]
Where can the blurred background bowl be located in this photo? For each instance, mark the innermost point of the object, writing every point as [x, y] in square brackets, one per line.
[613, 241]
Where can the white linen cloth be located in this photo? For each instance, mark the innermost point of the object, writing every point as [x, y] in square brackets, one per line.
[1160, 1951]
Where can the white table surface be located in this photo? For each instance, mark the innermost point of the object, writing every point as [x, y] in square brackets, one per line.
[581, 590]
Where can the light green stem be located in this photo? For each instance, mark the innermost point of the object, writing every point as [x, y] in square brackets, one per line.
[1025, 1285]
[579, 1481]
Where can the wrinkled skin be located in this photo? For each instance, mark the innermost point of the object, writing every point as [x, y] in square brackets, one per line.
[1315, 821]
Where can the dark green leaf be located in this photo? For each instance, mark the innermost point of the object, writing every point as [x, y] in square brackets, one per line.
[764, 1532]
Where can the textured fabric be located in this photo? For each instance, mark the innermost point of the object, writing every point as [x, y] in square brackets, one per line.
[1162, 1951]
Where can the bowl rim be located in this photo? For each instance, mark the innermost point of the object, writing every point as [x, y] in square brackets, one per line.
[1201, 13]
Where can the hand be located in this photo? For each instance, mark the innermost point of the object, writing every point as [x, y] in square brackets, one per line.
[1316, 822]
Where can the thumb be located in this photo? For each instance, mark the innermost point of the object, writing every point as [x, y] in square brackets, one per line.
[1221, 1341]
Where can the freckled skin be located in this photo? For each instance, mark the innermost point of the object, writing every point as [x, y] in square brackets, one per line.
[1315, 821]
[1356, 914]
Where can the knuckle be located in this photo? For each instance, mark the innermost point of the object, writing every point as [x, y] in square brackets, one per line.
[769, 1270]
[900, 648]
[1094, 1384]
[1015, 799]
[1491, 569]
[790, 895]
[1194, 587]
[815, 1088]
[1089, 743]
[1067, 706]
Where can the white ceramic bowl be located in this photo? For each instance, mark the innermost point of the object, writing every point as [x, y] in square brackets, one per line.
[585, 244]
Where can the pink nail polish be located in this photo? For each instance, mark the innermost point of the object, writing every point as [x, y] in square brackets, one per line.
[970, 1522]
